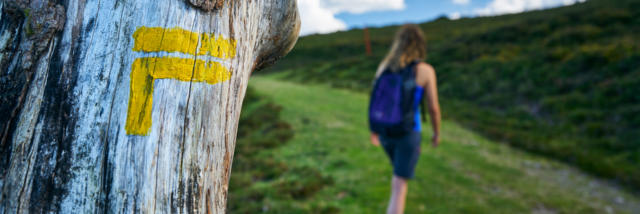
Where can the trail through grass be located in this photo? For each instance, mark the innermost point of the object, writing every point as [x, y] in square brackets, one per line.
[466, 174]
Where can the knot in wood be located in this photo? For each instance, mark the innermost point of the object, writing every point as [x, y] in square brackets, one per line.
[206, 5]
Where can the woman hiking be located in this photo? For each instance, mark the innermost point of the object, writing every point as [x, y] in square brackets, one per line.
[403, 84]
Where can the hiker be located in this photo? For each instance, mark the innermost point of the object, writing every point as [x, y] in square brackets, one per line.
[404, 85]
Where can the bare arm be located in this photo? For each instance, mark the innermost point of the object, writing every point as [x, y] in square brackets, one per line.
[427, 79]
[375, 139]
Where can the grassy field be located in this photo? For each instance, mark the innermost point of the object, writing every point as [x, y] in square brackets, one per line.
[322, 162]
[562, 82]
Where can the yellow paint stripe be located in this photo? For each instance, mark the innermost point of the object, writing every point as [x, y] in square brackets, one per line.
[156, 39]
[217, 46]
[145, 71]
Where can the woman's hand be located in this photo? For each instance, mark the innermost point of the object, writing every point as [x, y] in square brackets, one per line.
[375, 139]
[435, 140]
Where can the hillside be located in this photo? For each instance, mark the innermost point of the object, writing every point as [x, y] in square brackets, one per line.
[305, 149]
[563, 82]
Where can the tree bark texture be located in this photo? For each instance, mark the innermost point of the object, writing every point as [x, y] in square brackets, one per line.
[126, 106]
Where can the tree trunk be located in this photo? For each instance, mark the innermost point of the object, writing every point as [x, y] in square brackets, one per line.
[122, 106]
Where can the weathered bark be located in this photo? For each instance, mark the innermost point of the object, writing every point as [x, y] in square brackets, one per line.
[121, 106]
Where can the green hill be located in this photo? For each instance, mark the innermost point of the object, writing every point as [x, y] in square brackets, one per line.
[563, 82]
[305, 149]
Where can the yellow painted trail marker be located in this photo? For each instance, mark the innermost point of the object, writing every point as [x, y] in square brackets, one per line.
[145, 70]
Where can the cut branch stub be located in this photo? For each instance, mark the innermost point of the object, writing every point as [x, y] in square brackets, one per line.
[281, 36]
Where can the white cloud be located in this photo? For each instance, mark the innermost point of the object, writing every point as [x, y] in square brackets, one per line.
[318, 16]
[316, 19]
[497, 7]
[461, 2]
[455, 16]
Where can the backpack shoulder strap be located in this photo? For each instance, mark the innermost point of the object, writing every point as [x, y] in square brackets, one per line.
[412, 66]
[422, 109]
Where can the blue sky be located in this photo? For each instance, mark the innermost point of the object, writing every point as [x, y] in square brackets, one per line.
[415, 11]
[326, 16]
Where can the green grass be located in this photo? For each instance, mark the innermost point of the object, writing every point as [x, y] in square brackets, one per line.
[466, 174]
[563, 82]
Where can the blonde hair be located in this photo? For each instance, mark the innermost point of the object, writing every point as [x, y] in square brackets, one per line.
[409, 45]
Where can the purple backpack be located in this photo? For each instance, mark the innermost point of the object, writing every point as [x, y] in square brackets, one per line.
[391, 111]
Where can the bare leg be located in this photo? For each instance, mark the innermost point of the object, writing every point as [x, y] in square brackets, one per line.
[398, 195]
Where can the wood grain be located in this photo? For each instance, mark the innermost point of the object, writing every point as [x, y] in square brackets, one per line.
[67, 150]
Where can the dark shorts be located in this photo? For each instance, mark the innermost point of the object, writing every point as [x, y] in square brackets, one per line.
[403, 151]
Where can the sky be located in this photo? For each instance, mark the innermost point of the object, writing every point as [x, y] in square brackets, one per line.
[326, 16]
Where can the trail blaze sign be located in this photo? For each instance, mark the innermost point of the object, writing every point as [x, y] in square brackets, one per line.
[145, 70]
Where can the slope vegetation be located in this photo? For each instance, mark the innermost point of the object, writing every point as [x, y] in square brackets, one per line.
[563, 82]
[322, 162]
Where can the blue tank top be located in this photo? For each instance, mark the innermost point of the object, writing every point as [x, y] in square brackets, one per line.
[417, 98]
